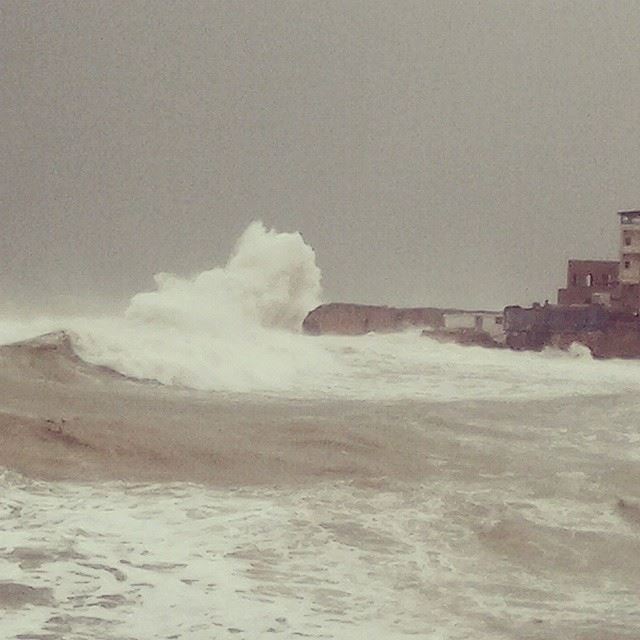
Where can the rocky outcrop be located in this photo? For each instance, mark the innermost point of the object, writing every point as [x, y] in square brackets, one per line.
[358, 319]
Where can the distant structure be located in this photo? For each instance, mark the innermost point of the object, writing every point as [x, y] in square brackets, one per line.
[629, 271]
[612, 283]
[590, 282]
[489, 322]
[598, 308]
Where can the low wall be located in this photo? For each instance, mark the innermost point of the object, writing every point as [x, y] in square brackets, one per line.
[555, 319]
[358, 319]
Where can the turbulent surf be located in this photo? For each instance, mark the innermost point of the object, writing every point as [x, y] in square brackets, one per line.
[196, 468]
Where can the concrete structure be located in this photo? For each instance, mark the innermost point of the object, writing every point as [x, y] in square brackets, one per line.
[533, 328]
[555, 318]
[488, 321]
[628, 297]
[607, 333]
[613, 284]
[590, 281]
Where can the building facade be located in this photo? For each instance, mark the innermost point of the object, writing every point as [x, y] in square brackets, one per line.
[487, 321]
[611, 283]
[590, 282]
[629, 271]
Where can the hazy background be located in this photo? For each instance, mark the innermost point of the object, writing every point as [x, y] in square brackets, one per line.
[447, 153]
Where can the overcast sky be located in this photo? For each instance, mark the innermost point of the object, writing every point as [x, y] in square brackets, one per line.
[432, 153]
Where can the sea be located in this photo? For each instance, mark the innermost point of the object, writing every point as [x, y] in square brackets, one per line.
[517, 515]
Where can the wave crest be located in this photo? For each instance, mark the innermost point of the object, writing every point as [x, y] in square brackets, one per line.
[270, 281]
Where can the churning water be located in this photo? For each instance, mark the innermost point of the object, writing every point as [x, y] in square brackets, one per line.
[522, 521]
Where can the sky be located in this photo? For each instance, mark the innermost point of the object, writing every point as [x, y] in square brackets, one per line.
[433, 153]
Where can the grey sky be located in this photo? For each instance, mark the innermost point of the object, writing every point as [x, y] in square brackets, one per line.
[447, 153]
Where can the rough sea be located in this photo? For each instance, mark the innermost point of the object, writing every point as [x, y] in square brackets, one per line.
[524, 523]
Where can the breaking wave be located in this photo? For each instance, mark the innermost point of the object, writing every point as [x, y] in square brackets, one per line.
[232, 328]
[237, 328]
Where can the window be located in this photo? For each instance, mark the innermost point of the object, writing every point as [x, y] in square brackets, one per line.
[627, 239]
[627, 264]
[589, 280]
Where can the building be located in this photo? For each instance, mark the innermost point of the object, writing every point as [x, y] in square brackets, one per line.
[590, 282]
[629, 271]
[611, 283]
[483, 321]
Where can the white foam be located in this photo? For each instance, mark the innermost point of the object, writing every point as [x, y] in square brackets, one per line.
[327, 561]
[237, 328]
[228, 328]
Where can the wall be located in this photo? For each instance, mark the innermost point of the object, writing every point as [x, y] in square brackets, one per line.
[586, 277]
[628, 298]
[630, 249]
[358, 319]
[607, 333]
[630, 268]
[459, 321]
[555, 318]
[480, 321]
[617, 341]
[630, 238]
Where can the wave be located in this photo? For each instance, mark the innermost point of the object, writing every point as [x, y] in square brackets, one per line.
[51, 357]
[237, 328]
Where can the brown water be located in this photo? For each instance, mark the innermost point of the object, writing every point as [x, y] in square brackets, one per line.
[157, 512]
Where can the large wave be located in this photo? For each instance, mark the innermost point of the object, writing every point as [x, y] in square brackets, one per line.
[271, 281]
[230, 328]
[237, 328]
[234, 327]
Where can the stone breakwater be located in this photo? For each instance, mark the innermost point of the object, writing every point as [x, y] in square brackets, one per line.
[358, 319]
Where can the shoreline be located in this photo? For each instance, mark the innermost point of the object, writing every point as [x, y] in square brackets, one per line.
[607, 335]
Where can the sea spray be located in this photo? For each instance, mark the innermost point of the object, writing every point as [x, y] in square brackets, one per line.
[229, 328]
[270, 281]
[235, 327]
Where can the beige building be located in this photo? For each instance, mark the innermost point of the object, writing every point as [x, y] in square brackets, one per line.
[629, 270]
[629, 247]
[488, 321]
